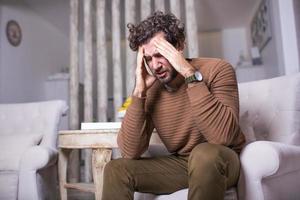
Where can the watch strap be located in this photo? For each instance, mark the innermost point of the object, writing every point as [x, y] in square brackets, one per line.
[190, 79]
[196, 77]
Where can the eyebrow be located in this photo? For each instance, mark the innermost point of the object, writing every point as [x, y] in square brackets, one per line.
[154, 55]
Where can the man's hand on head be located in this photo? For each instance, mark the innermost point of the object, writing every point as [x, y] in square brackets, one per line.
[143, 80]
[174, 56]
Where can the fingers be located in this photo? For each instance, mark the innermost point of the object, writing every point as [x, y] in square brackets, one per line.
[168, 51]
[164, 44]
[139, 60]
[140, 54]
[165, 48]
[174, 56]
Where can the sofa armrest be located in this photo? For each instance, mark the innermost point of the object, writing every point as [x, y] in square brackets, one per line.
[38, 157]
[262, 160]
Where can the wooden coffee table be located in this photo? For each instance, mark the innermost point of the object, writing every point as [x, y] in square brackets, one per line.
[101, 141]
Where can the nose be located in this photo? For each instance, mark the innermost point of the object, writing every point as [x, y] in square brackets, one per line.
[156, 64]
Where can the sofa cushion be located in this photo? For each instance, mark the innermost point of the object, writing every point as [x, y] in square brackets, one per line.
[270, 109]
[247, 127]
[12, 148]
[35, 117]
[230, 194]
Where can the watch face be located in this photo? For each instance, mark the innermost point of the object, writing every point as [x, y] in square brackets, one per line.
[198, 76]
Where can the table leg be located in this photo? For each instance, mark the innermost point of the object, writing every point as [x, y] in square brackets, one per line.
[99, 157]
[62, 172]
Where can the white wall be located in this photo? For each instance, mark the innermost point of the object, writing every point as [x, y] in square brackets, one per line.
[272, 52]
[44, 50]
[297, 21]
[228, 44]
[45, 46]
[234, 44]
[210, 44]
[1, 33]
[280, 56]
[286, 18]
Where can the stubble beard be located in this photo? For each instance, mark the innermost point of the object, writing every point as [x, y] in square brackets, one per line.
[170, 76]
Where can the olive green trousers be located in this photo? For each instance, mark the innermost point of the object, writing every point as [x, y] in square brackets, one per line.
[208, 171]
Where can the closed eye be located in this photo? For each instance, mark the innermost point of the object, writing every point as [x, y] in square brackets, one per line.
[148, 58]
[157, 55]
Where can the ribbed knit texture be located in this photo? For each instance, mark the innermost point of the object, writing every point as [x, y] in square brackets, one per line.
[206, 112]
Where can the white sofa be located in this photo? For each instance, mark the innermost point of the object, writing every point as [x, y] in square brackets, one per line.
[270, 162]
[28, 151]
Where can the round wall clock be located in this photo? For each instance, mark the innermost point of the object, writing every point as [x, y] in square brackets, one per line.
[13, 33]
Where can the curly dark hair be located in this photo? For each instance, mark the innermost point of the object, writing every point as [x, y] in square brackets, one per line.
[166, 22]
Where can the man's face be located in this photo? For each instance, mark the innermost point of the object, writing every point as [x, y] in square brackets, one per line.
[158, 64]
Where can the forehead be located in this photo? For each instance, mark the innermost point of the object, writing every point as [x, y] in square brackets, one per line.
[149, 47]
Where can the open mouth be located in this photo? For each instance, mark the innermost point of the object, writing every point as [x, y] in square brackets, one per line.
[161, 74]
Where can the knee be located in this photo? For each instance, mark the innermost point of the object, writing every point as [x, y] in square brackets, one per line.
[205, 152]
[116, 168]
[206, 157]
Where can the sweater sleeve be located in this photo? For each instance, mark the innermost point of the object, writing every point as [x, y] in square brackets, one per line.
[215, 105]
[134, 135]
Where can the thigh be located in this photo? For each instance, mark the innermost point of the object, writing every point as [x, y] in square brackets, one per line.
[223, 158]
[158, 175]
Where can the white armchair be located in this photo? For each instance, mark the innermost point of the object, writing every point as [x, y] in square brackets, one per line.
[270, 113]
[270, 162]
[28, 137]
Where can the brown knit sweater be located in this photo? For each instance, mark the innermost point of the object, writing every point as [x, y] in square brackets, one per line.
[206, 112]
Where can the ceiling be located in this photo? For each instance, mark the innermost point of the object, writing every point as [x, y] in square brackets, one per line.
[220, 14]
[211, 14]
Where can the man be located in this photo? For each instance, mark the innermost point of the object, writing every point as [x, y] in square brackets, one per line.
[192, 103]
